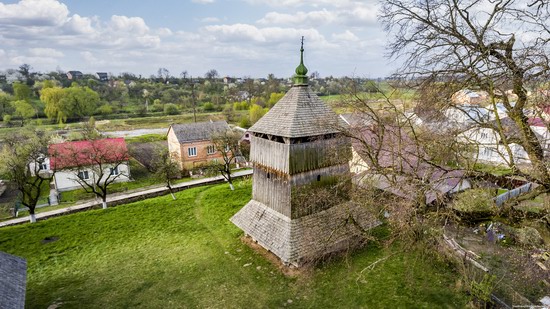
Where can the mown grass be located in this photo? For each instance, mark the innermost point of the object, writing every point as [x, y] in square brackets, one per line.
[160, 253]
[153, 122]
[147, 138]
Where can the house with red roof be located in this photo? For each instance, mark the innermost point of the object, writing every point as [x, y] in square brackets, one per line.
[92, 161]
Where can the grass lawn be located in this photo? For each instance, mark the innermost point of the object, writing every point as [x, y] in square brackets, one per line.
[160, 253]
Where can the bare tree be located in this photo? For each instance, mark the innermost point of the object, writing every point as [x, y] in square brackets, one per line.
[25, 164]
[211, 74]
[166, 168]
[95, 164]
[164, 74]
[489, 45]
[227, 144]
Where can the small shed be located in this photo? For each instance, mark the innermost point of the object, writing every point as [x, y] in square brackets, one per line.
[13, 281]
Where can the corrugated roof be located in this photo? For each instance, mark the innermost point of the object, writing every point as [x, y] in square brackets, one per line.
[13, 281]
[198, 131]
[299, 113]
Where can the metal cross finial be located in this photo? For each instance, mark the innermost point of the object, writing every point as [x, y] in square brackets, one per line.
[302, 48]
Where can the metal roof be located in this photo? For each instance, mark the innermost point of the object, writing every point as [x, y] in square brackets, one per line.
[199, 131]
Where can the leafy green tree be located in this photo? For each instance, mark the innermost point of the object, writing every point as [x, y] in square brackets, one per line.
[274, 97]
[24, 110]
[22, 164]
[256, 112]
[5, 106]
[72, 102]
[53, 100]
[21, 91]
[82, 101]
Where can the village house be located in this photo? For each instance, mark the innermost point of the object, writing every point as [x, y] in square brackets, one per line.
[191, 143]
[82, 159]
[470, 97]
[491, 149]
[102, 76]
[72, 75]
[390, 148]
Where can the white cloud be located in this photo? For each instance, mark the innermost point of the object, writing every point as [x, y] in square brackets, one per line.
[251, 33]
[49, 35]
[79, 25]
[210, 20]
[346, 36]
[135, 25]
[34, 12]
[302, 18]
[311, 3]
[45, 52]
[356, 13]
[164, 32]
[203, 1]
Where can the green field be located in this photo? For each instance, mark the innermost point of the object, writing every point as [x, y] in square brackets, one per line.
[160, 253]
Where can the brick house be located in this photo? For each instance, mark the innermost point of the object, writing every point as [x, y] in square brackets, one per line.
[191, 143]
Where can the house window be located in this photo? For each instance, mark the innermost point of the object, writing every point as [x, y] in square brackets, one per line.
[42, 166]
[210, 149]
[487, 152]
[215, 161]
[83, 175]
[483, 135]
[114, 171]
[192, 151]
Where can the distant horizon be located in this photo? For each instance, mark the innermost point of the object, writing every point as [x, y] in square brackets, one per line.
[155, 75]
[238, 38]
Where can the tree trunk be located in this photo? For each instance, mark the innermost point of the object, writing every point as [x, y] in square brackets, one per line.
[33, 218]
[104, 203]
[231, 186]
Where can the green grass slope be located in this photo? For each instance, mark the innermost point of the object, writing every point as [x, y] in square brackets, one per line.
[160, 253]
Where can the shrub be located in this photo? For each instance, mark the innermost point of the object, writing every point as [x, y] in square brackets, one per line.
[171, 109]
[7, 119]
[528, 237]
[474, 205]
[243, 105]
[208, 107]
[157, 107]
[244, 122]
[105, 109]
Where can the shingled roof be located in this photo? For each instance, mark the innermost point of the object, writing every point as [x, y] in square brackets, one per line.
[299, 113]
[13, 281]
[199, 131]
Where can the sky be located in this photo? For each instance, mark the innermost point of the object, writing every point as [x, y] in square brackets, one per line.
[237, 38]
